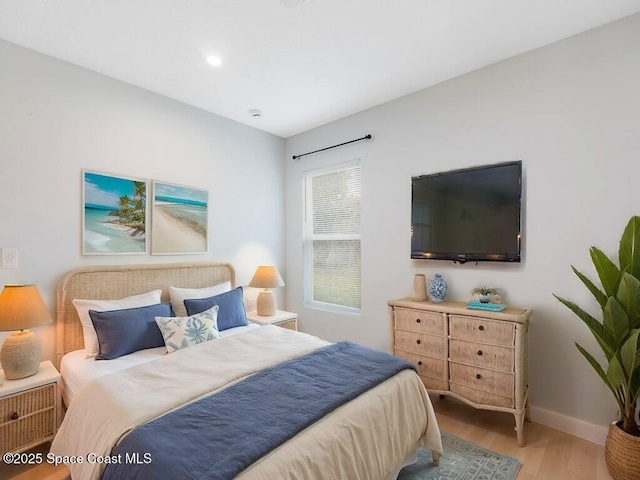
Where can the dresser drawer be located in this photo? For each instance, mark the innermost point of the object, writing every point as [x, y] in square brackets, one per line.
[422, 344]
[420, 321]
[432, 367]
[479, 397]
[490, 381]
[431, 383]
[488, 356]
[482, 330]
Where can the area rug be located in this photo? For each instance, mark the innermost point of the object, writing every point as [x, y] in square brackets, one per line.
[462, 460]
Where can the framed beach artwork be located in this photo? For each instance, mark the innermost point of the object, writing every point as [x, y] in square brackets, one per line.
[178, 219]
[114, 219]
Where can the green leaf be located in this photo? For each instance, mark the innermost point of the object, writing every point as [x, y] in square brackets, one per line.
[629, 297]
[616, 321]
[629, 252]
[596, 366]
[608, 272]
[634, 385]
[615, 373]
[629, 353]
[600, 297]
[605, 339]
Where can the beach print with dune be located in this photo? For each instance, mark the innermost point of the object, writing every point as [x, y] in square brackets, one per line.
[179, 219]
[114, 215]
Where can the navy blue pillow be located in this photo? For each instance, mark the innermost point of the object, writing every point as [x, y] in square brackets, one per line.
[230, 308]
[126, 331]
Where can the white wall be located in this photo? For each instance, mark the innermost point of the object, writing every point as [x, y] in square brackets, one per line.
[570, 111]
[56, 119]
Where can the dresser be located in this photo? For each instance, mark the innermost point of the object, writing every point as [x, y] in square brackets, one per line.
[475, 356]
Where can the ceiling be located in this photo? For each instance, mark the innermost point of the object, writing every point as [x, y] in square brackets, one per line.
[302, 63]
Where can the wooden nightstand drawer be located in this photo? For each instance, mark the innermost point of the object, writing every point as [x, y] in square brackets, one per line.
[288, 324]
[27, 418]
[281, 318]
[420, 321]
[488, 356]
[482, 330]
[21, 404]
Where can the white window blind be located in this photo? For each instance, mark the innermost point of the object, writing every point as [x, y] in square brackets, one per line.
[332, 239]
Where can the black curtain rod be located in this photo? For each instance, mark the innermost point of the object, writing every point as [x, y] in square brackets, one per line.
[366, 137]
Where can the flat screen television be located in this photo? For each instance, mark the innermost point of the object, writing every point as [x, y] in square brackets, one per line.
[468, 215]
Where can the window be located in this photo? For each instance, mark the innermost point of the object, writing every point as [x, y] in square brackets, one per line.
[331, 239]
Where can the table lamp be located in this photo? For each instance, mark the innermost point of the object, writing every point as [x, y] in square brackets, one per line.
[21, 307]
[266, 277]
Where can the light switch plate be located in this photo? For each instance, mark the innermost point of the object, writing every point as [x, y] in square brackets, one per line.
[9, 258]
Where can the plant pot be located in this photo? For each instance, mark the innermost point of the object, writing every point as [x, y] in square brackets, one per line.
[484, 298]
[622, 453]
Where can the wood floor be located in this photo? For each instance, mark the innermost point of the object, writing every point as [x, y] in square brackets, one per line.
[35, 472]
[548, 454]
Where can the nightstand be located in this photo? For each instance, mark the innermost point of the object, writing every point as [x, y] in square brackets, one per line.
[29, 409]
[281, 318]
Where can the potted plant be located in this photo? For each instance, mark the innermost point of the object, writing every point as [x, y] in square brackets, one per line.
[484, 293]
[617, 335]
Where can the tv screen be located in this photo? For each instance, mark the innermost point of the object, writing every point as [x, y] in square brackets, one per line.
[468, 215]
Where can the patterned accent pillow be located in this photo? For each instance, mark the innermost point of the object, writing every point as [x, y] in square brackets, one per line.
[182, 332]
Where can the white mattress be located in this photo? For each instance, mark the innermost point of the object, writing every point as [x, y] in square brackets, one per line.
[76, 369]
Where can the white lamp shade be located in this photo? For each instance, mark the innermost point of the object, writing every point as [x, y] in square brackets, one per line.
[266, 276]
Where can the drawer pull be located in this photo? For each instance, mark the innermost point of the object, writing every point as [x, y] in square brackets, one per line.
[14, 416]
[417, 320]
[480, 353]
[418, 342]
[478, 376]
[419, 362]
[481, 327]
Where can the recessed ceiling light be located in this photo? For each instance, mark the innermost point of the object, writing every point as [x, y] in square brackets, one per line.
[214, 60]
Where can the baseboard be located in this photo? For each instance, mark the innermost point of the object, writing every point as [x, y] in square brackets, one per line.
[573, 426]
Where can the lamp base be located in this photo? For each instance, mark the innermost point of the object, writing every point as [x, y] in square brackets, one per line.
[20, 355]
[267, 303]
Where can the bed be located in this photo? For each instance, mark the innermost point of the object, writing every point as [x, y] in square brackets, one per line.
[109, 402]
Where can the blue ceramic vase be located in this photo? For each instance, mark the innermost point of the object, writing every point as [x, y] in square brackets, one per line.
[437, 289]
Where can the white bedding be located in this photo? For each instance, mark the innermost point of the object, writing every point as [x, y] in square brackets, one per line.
[365, 438]
[76, 369]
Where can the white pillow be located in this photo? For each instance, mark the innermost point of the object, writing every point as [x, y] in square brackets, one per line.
[179, 295]
[183, 332]
[83, 307]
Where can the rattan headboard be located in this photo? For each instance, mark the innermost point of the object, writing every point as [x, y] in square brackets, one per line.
[119, 281]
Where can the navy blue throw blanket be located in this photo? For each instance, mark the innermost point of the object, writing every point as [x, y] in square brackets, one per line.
[220, 435]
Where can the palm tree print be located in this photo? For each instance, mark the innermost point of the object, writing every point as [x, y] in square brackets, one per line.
[132, 210]
[197, 331]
